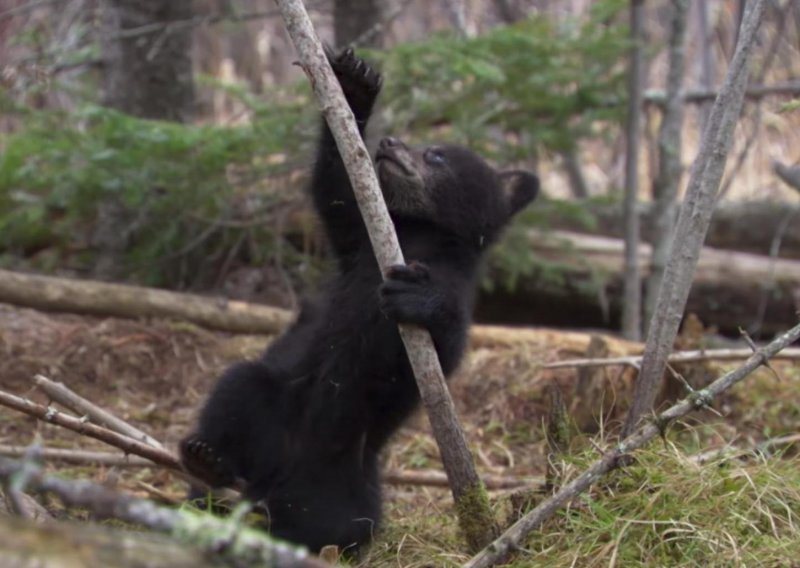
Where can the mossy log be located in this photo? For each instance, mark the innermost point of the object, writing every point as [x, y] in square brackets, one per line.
[62, 545]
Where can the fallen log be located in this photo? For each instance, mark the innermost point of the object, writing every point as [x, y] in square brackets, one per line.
[92, 297]
[744, 226]
[81, 544]
[577, 282]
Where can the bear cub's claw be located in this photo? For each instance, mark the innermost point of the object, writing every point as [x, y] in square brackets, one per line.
[360, 82]
[202, 461]
[406, 296]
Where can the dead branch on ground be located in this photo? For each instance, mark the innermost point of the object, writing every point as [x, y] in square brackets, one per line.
[677, 357]
[101, 298]
[225, 537]
[129, 445]
[60, 393]
[79, 456]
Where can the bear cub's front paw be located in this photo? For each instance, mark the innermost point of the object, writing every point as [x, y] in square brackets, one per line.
[360, 82]
[406, 295]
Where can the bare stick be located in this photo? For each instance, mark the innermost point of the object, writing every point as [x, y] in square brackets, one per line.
[472, 504]
[439, 479]
[430, 478]
[512, 539]
[216, 536]
[60, 393]
[79, 456]
[694, 219]
[731, 452]
[128, 445]
[697, 96]
[678, 357]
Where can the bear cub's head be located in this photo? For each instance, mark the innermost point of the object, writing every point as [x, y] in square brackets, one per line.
[451, 187]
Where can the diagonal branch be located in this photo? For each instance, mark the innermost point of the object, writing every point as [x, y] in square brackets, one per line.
[694, 219]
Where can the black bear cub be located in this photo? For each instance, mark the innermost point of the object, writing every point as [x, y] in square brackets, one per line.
[303, 427]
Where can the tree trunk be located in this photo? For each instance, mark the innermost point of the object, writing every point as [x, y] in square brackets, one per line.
[147, 73]
[665, 186]
[147, 52]
[352, 18]
[632, 307]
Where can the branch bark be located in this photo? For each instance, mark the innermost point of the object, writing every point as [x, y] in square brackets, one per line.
[694, 219]
[128, 445]
[66, 397]
[512, 539]
[475, 517]
[699, 96]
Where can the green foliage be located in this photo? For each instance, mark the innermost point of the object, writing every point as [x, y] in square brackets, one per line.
[516, 89]
[173, 181]
[509, 94]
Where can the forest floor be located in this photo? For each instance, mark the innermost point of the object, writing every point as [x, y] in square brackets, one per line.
[666, 509]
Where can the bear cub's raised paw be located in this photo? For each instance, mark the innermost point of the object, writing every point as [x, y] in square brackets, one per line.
[360, 82]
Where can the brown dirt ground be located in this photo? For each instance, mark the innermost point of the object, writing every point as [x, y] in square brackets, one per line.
[154, 374]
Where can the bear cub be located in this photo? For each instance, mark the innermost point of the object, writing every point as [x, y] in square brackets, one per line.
[302, 427]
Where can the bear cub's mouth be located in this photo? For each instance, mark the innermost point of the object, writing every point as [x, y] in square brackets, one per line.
[388, 158]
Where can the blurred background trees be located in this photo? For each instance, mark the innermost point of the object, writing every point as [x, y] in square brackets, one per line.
[167, 143]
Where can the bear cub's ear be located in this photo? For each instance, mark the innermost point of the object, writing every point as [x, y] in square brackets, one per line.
[519, 189]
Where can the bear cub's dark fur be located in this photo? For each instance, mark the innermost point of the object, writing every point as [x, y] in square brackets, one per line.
[303, 426]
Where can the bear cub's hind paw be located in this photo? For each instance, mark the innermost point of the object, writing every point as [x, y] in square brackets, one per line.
[202, 461]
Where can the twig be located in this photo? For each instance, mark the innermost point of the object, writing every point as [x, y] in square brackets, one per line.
[32, 5]
[731, 452]
[693, 220]
[128, 445]
[439, 479]
[80, 456]
[249, 547]
[472, 504]
[60, 393]
[393, 477]
[696, 96]
[368, 34]
[677, 357]
[510, 540]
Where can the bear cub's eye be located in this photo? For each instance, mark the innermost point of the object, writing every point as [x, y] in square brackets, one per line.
[434, 156]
